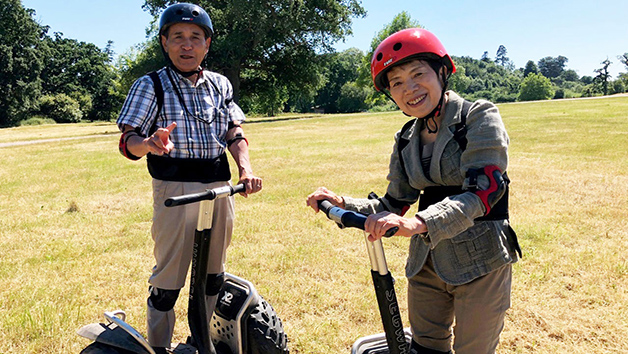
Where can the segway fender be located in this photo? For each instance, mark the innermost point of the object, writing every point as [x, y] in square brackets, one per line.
[113, 336]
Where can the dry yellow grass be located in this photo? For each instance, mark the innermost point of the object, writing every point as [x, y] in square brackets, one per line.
[75, 224]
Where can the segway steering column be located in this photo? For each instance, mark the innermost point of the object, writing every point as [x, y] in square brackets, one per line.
[197, 307]
[382, 279]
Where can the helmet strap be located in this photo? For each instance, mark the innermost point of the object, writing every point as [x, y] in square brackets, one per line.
[436, 111]
[186, 74]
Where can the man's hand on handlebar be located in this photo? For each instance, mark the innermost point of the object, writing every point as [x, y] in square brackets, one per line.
[252, 184]
[323, 193]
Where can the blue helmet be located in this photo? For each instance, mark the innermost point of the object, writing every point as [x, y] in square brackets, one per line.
[186, 13]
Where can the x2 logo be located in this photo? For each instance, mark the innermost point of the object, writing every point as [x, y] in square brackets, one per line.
[226, 299]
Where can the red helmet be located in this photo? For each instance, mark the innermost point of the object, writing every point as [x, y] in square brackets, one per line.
[403, 46]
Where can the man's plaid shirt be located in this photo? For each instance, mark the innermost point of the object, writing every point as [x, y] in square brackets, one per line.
[200, 134]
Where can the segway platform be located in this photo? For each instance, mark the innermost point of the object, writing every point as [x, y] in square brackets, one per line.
[243, 322]
[118, 337]
[376, 343]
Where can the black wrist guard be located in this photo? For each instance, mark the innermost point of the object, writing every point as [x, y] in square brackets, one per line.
[122, 145]
[237, 137]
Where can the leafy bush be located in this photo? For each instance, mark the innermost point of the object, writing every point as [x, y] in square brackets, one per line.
[387, 106]
[536, 87]
[618, 87]
[37, 121]
[352, 98]
[61, 107]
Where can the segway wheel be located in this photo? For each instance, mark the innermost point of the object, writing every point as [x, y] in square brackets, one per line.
[265, 333]
[99, 348]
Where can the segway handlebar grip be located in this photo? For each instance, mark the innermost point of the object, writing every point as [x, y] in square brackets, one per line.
[209, 194]
[347, 218]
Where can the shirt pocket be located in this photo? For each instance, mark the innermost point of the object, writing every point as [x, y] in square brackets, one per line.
[220, 124]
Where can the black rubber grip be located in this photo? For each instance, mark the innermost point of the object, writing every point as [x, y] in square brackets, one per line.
[349, 218]
[209, 194]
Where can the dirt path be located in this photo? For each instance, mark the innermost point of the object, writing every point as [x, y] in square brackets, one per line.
[42, 141]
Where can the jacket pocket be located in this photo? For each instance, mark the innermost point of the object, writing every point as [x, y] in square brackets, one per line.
[473, 245]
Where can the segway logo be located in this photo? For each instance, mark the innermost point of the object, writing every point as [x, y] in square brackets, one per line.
[226, 299]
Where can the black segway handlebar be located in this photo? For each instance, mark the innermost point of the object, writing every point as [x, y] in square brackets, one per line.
[346, 218]
[209, 194]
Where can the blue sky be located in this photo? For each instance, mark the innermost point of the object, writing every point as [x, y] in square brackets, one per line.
[586, 32]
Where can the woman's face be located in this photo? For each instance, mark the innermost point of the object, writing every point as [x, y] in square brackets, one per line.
[415, 87]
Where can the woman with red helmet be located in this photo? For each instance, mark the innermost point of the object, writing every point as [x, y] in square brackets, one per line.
[451, 158]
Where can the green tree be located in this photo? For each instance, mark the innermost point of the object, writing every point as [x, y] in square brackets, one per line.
[535, 87]
[141, 59]
[569, 75]
[587, 80]
[340, 68]
[623, 59]
[552, 67]
[603, 76]
[501, 58]
[20, 62]
[400, 22]
[82, 71]
[258, 39]
[353, 98]
[618, 86]
[459, 81]
[485, 58]
[486, 80]
[530, 68]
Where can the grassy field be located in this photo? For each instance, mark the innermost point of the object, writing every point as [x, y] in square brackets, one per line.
[76, 216]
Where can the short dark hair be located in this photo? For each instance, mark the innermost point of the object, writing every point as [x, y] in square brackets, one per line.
[435, 64]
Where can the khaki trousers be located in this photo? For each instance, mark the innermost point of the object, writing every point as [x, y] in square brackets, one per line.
[478, 308]
[173, 232]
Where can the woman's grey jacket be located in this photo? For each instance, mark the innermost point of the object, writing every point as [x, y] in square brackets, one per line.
[461, 249]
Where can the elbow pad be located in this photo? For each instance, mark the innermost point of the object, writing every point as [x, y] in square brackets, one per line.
[488, 183]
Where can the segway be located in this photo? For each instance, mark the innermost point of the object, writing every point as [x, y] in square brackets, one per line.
[395, 339]
[242, 323]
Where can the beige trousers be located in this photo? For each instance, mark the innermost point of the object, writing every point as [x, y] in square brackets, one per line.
[478, 308]
[173, 232]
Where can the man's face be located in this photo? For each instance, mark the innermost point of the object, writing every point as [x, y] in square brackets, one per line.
[186, 46]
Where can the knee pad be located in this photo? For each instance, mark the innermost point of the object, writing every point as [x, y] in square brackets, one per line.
[417, 348]
[488, 183]
[214, 283]
[161, 299]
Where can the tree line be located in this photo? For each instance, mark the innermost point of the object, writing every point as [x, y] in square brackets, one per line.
[279, 57]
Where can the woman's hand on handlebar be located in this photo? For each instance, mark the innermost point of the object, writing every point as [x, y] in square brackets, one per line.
[323, 193]
[376, 225]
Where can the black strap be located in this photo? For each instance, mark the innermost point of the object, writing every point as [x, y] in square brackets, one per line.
[159, 96]
[403, 142]
[460, 133]
[460, 129]
[166, 168]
